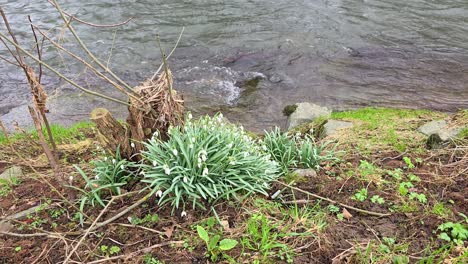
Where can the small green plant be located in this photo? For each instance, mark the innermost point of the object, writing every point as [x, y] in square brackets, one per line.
[282, 149]
[149, 259]
[413, 178]
[377, 199]
[213, 244]
[421, 197]
[361, 195]
[205, 160]
[408, 162]
[110, 175]
[18, 249]
[261, 236]
[147, 219]
[366, 168]
[109, 251]
[453, 232]
[396, 173]
[56, 212]
[440, 210]
[6, 185]
[404, 188]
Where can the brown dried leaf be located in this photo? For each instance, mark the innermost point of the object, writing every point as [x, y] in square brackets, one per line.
[346, 214]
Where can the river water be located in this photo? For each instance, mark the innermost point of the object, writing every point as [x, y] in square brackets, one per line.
[343, 54]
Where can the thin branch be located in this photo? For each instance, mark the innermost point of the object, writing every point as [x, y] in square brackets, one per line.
[62, 76]
[89, 230]
[81, 60]
[39, 50]
[83, 46]
[9, 61]
[333, 202]
[168, 56]
[92, 24]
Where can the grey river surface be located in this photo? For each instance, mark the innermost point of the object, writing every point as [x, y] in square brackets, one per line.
[343, 54]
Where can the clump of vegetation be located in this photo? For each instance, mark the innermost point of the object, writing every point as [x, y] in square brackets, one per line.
[289, 109]
[215, 246]
[294, 151]
[203, 161]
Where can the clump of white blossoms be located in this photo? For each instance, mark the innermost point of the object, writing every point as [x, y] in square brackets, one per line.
[203, 161]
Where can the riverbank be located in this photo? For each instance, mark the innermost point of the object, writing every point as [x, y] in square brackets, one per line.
[393, 200]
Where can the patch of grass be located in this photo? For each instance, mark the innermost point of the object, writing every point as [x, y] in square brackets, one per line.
[386, 128]
[62, 135]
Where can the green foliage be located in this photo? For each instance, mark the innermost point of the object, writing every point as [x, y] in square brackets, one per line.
[403, 187]
[261, 236]
[377, 199]
[453, 232]
[440, 210]
[149, 259]
[421, 197]
[18, 249]
[361, 195]
[396, 173]
[282, 149]
[109, 251]
[205, 160]
[6, 185]
[289, 109]
[110, 175]
[214, 245]
[147, 219]
[408, 162]
[292, 151]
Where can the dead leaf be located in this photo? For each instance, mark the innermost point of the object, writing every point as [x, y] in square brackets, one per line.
[346, 214]
[225, 225]
[169, 230]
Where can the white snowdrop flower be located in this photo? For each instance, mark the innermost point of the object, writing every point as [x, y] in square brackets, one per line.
[113, 161]
[122, 167]
[246, 154]
[241, 128]
[220, 116]
[183, 214]
[175, 152]
[105, 158]
[159, 193]
[264, 148]
[70, 179]
[132, 145]
[185, 179]
[191, 146]
[232, 162]
[205, 171]
[246, 138]
[229, 145]
[142, 173]
[203, 157]
[199, 165]
[98, 147]
[189, 116]
[96, 177]
[167, 170]
[193, 140]
[204, 127]
[154, 163]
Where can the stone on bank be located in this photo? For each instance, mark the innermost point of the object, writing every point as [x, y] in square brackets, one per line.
[305, 113]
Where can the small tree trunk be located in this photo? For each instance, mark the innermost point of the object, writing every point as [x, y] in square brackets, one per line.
[111, 133]
[45, 146]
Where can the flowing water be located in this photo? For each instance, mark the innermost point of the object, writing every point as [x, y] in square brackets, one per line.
[343, 54]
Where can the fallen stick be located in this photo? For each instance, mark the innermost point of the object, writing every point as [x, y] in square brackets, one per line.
[333, 202]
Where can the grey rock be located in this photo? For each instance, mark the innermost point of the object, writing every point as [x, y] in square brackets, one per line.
[438, 133]
[307, 112]
[22, 214]
[432, 127]
[306, 173]
[5, 226]
[332, 126]
[12, 172]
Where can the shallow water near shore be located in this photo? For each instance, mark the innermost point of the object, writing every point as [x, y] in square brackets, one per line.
[343, 54]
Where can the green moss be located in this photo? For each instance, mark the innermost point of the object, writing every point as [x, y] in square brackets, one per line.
[289, 109]
[463, 134]
[62, 135]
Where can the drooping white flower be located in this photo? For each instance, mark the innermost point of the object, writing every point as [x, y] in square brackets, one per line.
[167, 170]
[246, 154]
[142, 173]
[175, 152]
[232, 162]
[132, 145]
[185, 179]
[96, 177]
[183, 214]
[190, 146]
[264, 148]
[154, 163]
[229, 145]
[193, 140]
[113, 161]
[70, 179]
[105, 158]
[205, 171]
[159, 193]
[122, 167]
